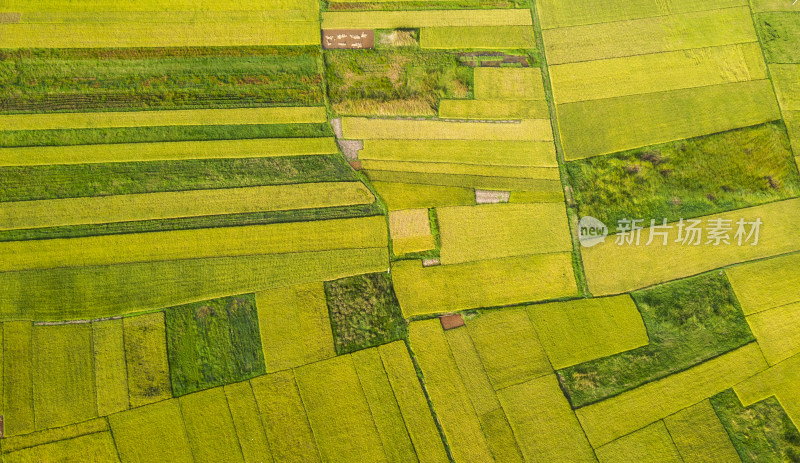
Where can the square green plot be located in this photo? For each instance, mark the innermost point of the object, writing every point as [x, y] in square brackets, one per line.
[213, 343]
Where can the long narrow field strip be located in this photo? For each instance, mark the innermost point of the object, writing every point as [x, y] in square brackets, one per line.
[100, 6]
[285, 421]
[500, 436]
[382, 404]
[146, 356]
[766, 284]
[194, 244]
[294, 324]
[398, 196]
[35, 439]
[180, 204]
[470, 233]
[558, 14]
[547, 173]
[574, 332]
[97, 120]
[549, 190]
[338, 411]
[776, 332]
[477, 152]
[611, 419]
[699, 435]
[247, 421]
[508, 347]
[659, 72]
[792, 119]
[786, 78]
[609, 266]
[95, 292]
[370, 129]
[110, 368]
[412, 402]
[17, 378]
[91, 447]
[63, 375]
[544, 423]
[423, 19]
[209, 427]
[476, 381]
[650, 444]
[481, 37]
[652, 35]
[516, 84]
[448, 395]
[169, 151]
[591, 128]
[501, 110]
[512, 280]
[772, 5]
[151, 433]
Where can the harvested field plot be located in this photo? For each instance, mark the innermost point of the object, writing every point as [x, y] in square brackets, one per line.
[151, 433]
[146, 355]
[410, 231]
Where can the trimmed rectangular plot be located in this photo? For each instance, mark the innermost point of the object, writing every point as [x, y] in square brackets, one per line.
[493, 109]
[97, 120]
[167, 151]
[509, 84]
[508, 347]
[285, 422]
[295, 326]
[212, 343]
[151, 433]
[699, 435]
[410, 230]
[110, 368]
[595, 127]
[543, 422]
[772, 5]
[338, 411]
[476, 381]
[426, 18]
[180, 204]
[547, 173]
[17, 378]
[608, 265]
[193, 244]
[63, 379]
[478, 152]
[500, 37]
[776, 331]
[247, 421]
[766, 284]
[146, 355]
[512, 280]
[574, 332]
[382, 404]
[370, 129]
[412, 196]
[471, 233]
[786, 78]
[412, 402]
[91, 447]
[594, 80]
[209, 427]
[500, 436]
[549, 189]
[652, 444]
[651, 35]
[611, 419]
[447, 393]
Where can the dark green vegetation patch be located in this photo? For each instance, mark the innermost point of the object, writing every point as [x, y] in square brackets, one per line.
[158, 78]
[396, 81]
[762, 432]
[213, 343]
[690, 178]
[780, 36]
[364, 312]
[688, 321]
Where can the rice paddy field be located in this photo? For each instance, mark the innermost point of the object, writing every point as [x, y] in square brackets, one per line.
[401, 231]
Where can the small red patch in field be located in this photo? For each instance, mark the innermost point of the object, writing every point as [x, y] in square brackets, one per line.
[355, 165]
[451, 321]
[2, 427]
[10, 18]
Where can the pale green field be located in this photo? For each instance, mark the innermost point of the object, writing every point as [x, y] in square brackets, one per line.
[786, 78]
[772, 5]
[500, 110]
[151, 433]
[411, 196]
[652, 444]
[492, 231]
[193, 203]
[546, 173]
[98, 120]
[613, 269]
[170, 151]
[477, 152]
[427, 18]
[481, 37]
[766, 284]
[359, 128]
[574, 332]
[210, 444]
[650, 35]
[512, 280]
[613, 418]
[658, 72]
[548, 190]
[699, 435]
[498, 83]
[595, 127]
[776, 331]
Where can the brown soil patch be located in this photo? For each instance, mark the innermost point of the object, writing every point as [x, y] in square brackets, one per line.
[450, 322]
